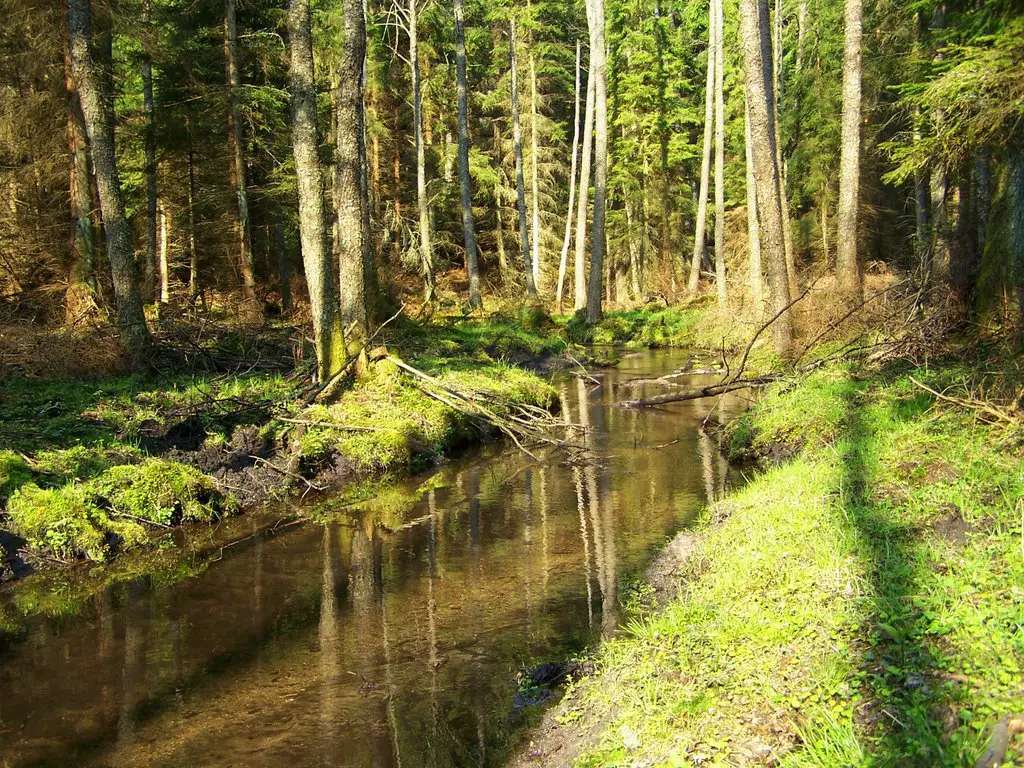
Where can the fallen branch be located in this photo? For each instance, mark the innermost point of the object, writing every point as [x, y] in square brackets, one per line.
[329, 425]
[975, 405]
[286, 473]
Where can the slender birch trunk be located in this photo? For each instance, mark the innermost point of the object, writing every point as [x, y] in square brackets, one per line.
[128, 300]
[164, 258]
[705, 164]
[517, 149]
[580, 266]
[423, 206]
[313, 229]
[534, 172]
[567, 239]
[848, 274]
[755, 274]
[465, 183]
[190, 202]
[758, 69]
[149, 149]
[719, 155]
[598, 241]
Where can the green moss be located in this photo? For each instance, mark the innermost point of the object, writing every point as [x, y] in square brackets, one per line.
[14, 473]
[659, 327]
[386, 422]
[161, 491]
[81, 462]
[65, 524]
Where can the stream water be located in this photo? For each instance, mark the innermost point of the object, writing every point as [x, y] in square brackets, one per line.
[392, 637]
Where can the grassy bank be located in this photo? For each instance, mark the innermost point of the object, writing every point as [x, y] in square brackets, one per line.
[858, 603]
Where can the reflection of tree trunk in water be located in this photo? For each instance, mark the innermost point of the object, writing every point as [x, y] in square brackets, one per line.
[329, 637]
[707, 459]
[581, 507]
[545, 566]
[136, 623]
[105, 631]
[257, 583]
[389, 683]
[365, 583]
[604, 549]
[433, 661]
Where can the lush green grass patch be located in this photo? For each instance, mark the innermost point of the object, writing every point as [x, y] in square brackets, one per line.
[859, 605]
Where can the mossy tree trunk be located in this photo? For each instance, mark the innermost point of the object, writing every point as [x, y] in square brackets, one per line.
[320, 274]
[465, 183]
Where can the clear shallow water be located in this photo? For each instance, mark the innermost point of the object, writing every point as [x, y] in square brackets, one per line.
[389, 638]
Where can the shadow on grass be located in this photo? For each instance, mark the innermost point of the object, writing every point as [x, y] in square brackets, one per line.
[907, 709]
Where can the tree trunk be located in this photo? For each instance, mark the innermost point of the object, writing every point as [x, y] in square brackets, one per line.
[81, 281]
[775, 46]
[465, 188]
[580, 265]
[705, 164]
[1015, 195]
[826, 253]
[284, 267]
[251, 309]
[982, 197]
[164, 257]
[130, 318]
[665, 217]
[758, 80]
[316, 259]
[848, 275]
[567, 239]
[938, 265]
[423, 207]
[517, 149]
[755, 274]
[149, 109]
[190, 192]
[534, 174]
[499, 223]
[595, 21]
[719, 155]
[350, 200]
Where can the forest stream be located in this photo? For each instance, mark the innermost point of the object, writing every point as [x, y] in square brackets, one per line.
[383, 638]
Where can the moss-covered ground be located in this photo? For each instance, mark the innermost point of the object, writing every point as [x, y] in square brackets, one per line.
[860, 602]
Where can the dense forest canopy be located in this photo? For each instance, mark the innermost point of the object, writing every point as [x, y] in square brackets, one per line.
[895, 133]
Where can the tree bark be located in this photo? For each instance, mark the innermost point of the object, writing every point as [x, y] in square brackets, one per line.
[164, 254]
[534, 173]
[705, 164]
[941, 248]
[81, 281]
[580, 264]
[758, 81]
[499, 223]
[719, 155]
[465, 183]
[423, 206]
[320, 276]
[284, 267]
[190, 192]
[595, 21]
[567, 239]
[149, 109]
[755, 273]
[128, 300]
[517, 149]
[851, 291]
[351, 204]
[251, 307]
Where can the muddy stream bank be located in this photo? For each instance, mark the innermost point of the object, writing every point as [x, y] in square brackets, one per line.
[397, 635]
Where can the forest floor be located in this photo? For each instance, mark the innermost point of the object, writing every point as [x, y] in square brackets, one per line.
[860, 601]
[124, 471]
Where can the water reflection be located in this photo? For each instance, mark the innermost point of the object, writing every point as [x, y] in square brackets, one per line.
[392, 638]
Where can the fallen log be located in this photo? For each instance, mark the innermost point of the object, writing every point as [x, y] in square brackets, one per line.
[711, 390]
